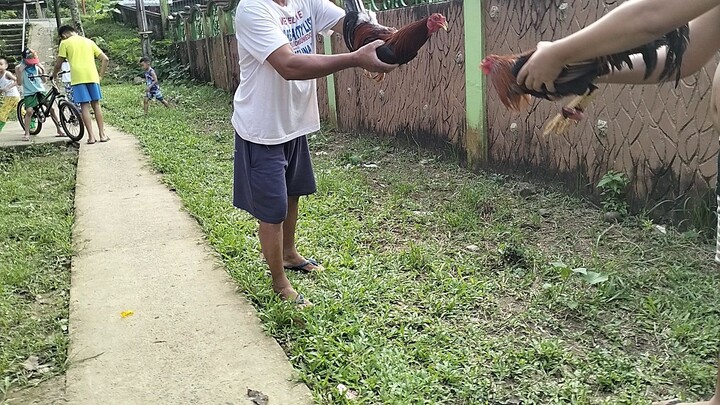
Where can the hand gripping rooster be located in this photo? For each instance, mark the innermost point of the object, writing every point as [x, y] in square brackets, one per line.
[577, 78]
[401, 46]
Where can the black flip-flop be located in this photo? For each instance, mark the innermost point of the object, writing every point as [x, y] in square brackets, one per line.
[301, 266]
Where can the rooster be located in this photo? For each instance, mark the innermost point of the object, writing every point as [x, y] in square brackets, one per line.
[577, 78]
[401, 46]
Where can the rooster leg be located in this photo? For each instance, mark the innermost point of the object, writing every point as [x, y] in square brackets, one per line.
[572, 112]
[367, 74]
[379, 77]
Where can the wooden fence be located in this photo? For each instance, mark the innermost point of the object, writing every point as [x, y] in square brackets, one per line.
[661, 137]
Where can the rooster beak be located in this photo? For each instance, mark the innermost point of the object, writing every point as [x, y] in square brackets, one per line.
[445, 26]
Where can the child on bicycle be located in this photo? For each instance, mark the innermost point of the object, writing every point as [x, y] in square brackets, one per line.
[28, 76]
[152, 91]
[8, 91]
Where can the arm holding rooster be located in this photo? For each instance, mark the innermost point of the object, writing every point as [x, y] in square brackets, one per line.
[292, 66]
[658, 16]
[296, 64]
[650, 19]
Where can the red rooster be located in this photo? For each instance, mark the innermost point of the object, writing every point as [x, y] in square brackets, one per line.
[577, 78]
[401, 46]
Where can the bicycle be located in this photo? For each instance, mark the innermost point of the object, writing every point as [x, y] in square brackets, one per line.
[69, 115]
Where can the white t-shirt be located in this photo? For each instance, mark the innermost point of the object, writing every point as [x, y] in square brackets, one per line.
[268, 109]
[5, 82]
[65, 77]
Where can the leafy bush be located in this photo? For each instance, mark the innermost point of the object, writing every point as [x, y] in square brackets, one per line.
[122, 45]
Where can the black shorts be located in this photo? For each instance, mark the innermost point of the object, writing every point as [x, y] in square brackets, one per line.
[265, 175]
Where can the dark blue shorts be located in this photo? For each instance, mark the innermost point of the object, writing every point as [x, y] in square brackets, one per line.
[86, 92]
[265, 175]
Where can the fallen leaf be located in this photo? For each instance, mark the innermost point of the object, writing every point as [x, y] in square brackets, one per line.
[257, 397]
[593, 278]
[32, 363]
[347, 392]
[472, 248]
[125, 314]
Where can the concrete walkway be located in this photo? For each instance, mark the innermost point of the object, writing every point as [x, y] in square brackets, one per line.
[191, 338]
[11, 135]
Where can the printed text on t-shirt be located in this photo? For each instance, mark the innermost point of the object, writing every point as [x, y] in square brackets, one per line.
[298, 31]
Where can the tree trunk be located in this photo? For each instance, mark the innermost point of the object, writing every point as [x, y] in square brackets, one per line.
[75, 15]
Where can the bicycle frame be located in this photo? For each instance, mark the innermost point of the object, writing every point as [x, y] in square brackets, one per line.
[52, 97]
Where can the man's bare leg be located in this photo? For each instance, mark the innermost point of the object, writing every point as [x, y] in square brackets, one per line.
[291, 257]
[271, 241]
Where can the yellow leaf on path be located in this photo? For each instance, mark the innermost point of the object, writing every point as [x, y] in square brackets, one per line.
[125, 314]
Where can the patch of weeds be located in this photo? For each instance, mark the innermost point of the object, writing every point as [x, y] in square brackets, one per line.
[36, 216]
[612, 186]
[438, 285]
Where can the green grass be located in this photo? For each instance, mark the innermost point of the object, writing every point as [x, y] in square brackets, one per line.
[36, 216]
[439, 285]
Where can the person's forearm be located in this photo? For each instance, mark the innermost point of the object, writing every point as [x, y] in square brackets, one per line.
[632, 24]
[103, 67]
[58, 66]
[313, 66]
[637, 74]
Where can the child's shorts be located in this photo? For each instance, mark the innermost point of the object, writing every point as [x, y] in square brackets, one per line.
[154, 93]
[69, 92]
[34, 100]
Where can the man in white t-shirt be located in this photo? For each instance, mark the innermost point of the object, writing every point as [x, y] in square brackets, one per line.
[275, 107]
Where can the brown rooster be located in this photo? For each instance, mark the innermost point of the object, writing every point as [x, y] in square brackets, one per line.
[577, 78]
[401, 46]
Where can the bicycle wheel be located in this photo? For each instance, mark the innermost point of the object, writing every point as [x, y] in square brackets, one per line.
[21, 119]
[71, 120]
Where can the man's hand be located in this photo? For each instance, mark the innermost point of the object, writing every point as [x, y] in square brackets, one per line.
[368, 60]
[543, 67]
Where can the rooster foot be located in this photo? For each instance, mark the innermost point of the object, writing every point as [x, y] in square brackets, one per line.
[378, 77]
[575, 114]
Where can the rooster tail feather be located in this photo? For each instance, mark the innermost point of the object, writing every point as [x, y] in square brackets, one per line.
[649, 55]
[349, 26]
[677, 43]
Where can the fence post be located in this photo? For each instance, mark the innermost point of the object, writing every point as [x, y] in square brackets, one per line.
[164, 12]
[332, 101]
[477, 143]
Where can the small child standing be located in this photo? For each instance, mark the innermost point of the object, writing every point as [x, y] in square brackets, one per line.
[28, 76]
[152, 91]
[8, 91]
[67, 80]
